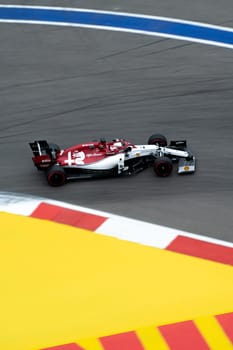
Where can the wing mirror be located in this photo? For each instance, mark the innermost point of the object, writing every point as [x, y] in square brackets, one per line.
[128, 149]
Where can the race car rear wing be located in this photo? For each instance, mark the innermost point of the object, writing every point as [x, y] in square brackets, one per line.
[42, 154]
[40, 148]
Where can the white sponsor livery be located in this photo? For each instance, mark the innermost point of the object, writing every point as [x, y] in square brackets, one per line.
[77, 159]
[107, 163]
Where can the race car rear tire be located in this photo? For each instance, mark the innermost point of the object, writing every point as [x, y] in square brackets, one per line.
[56, 176]
[157, 139]
[163, 167]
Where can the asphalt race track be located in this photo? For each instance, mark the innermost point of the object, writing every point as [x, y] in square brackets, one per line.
[71, 85]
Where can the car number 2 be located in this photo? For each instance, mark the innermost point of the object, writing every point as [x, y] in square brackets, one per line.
[78, 158]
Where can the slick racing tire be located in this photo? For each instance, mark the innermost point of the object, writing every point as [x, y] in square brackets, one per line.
[157, 139]
[163, 167]
[56, 176]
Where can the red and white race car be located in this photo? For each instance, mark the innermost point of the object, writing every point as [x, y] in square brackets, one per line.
[114, 158]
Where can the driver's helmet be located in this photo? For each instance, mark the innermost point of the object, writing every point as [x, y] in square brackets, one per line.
[117, 143]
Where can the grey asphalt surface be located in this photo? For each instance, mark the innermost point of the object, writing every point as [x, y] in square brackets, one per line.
[70, 85]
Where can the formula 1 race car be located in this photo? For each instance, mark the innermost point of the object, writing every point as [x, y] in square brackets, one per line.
[117, 157]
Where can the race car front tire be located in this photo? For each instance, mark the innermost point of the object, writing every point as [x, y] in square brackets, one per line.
[163, 167]
[157, 139]
[56, 176]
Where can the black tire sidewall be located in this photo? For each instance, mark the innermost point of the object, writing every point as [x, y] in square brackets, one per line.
[163, 162]
[157, 139]
[53, 172]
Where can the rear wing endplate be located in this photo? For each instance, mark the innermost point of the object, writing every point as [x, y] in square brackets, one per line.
[39, 148]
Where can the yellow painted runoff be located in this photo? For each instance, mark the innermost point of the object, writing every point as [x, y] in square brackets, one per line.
[151, 338]
[60, 284]
[213, 333]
